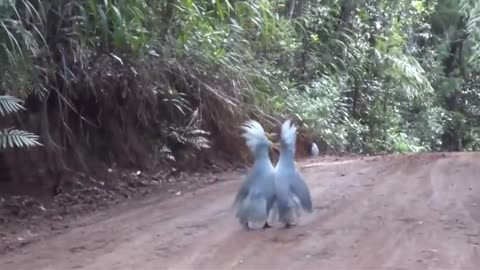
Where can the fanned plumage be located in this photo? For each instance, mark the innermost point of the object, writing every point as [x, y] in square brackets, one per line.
[292, 193]
[256, 195]
[254, 135]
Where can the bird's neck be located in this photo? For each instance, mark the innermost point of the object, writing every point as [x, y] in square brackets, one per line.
[262, 158]
[287, 157]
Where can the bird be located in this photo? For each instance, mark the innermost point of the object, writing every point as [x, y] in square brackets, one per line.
[314, 151]
[256, 195]
[291, 191]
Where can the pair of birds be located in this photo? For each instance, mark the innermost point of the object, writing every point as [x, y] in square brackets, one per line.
[272, 192]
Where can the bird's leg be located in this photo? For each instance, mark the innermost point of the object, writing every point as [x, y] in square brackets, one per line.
[290, 219]
[245, 226]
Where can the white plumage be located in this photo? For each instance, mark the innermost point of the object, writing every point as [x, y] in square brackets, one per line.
[254, 134]
[315, 151]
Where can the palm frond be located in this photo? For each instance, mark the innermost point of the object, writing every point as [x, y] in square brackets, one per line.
[10, 138]
[10, 104]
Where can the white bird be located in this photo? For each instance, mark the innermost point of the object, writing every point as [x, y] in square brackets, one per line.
[315, 152]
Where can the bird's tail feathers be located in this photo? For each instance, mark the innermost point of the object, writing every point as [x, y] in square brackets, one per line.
[286, 210]
[253, 208]
[273, 213]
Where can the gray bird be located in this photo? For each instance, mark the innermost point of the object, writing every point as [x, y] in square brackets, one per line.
[256, 196]
[292, 193]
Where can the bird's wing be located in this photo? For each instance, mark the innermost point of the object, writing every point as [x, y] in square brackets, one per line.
[243, 191]
[300, 190]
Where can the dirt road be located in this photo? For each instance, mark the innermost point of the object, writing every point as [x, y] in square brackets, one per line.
[392, 212]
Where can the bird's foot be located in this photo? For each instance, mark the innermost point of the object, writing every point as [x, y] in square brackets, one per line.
[267, 226]
[290, 225]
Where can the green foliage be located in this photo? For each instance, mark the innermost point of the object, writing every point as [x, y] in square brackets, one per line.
[322, 107]
[362, 76]
[470, 10]
[120, 24]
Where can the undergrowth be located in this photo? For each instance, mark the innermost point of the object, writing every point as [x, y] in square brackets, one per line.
[167, 83]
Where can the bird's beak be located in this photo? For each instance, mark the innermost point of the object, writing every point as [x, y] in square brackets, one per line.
[271, 137]
[275, 146]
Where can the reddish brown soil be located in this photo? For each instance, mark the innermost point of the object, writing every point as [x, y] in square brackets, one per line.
[392, 212]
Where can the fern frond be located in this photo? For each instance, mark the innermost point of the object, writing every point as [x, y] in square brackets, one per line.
[10, 138]
[10, 104]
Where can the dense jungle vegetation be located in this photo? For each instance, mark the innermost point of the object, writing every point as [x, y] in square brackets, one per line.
[131, 81]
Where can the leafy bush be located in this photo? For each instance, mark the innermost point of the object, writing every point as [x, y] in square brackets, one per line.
[112, 78]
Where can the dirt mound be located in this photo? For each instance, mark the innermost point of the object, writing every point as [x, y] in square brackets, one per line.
[390, 212]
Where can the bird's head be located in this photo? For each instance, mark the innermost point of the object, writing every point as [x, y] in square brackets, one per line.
[285, 141]
[257, 140]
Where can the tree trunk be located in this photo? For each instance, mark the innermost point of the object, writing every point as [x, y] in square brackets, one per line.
[451, 139]
[294, 9]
